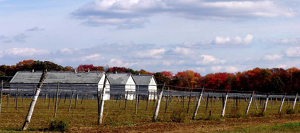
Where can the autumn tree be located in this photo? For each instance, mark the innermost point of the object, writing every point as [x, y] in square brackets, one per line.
[187, 78]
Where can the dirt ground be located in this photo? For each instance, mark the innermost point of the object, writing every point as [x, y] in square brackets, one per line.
[227, 124]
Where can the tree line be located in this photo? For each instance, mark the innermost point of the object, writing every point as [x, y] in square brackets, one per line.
[275, 80]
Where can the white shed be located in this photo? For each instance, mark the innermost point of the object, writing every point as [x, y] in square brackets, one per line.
[87, 81]
[122, 84]
[146, 84]
[26, 81]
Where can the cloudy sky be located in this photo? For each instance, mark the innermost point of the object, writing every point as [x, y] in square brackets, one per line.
[206, 36]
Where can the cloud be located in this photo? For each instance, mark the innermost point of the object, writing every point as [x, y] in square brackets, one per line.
[120, 63]
[293, 52]
[67, 50]
[200, 69]
[93, 57]
[216, 68]
[290, 41]
[35, 29]
[282, 66]
[21, 38]
[154, 53]
[235, 40]
[229, 69]
[272, 57]
[2, 37]
[183, 51]
[208, 59]
[25, 52]
[128, 14]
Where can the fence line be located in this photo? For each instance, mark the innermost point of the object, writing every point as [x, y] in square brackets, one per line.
[231, 100]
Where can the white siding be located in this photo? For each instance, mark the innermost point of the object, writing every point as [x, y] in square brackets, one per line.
[107, 88]
[152, 85]
[130, 86]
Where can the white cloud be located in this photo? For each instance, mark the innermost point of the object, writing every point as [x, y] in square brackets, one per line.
[290, 41]
[1, 53]
[167, 62]
[216, 68]
[25, 51]
[21, 38]
[200, 69]
[293, 52]
[282, 66]
[272, 57]
[154, 53]
[236, 40]
[67, 50]
[120, 63]
[208, 59]
[93, 57]
[35, 29]
[183, 51]
[134, 13]
[231, 69]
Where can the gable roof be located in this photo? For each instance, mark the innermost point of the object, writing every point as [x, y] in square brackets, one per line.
[142, 79]
[26, 77]
[92, 77]
[118, 78]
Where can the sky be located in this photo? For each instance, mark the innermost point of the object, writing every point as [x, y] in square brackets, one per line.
[206, 36]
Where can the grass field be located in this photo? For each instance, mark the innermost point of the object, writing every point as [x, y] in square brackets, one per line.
[85, 114]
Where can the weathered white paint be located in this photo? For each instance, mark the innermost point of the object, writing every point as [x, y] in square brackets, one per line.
[131, 87]
[106, 89]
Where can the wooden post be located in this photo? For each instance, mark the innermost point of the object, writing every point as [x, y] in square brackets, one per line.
[255, 103]
[59, 98]
[56, 101]
[182, 99]
[8, 95]
[282, 103]
[166, 106]
[33, 102]
[250, 100]
[266, 103]
[295, 101]
[207, 101]
[101, 102]
[22, 96]
[187, 111]
[65, 97]
[76, 98]
[158, 104]
[45, 97]
[224, 104]
[147, 101]
[49, 101]
[198, 104]
[17, 95]
[136, 99]
[82, 98]
[71, 97]
[126, 97]
[1, 96]
[120, 100]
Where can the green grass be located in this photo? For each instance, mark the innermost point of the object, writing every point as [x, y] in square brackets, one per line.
[290, 127]
[86, 114]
